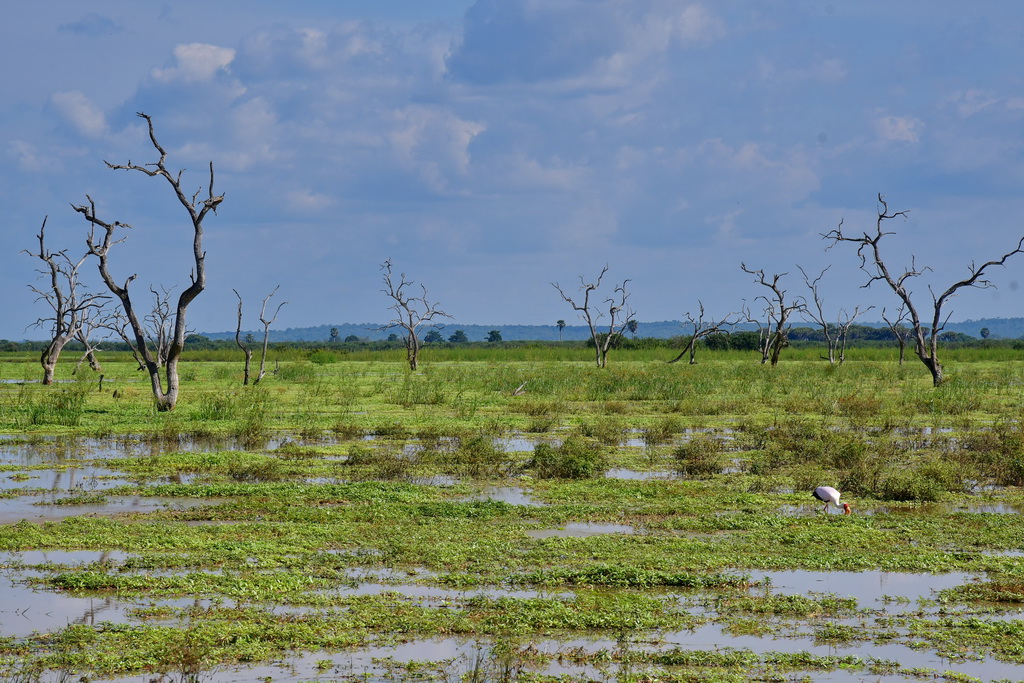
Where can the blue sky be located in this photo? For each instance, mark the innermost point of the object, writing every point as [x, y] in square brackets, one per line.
[491, 148]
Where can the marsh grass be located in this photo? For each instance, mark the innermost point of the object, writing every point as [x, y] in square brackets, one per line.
[275, 532]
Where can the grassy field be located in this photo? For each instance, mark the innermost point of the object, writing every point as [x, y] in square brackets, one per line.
[690, 480]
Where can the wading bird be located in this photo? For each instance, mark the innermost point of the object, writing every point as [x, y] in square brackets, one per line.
[830, 495]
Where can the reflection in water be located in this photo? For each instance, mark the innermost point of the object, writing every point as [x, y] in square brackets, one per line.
[513, 495]
[581, 530]
[869, 588]
[35, 509]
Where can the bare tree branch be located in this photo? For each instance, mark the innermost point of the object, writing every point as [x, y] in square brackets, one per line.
[926, 339]
[778, 312]
[701, 329]
[71, 307]
[101, 239]
[411, 312]
[619, 313]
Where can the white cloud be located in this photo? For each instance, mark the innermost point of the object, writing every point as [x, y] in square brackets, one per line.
[307, 200]
[30, 159]
[899, 128]
[433, 143]
[696, 25]
[195, 63]
[80, 112]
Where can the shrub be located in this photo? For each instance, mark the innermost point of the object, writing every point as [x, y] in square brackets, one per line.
[321, 357]
[573, 459]
[478, 457]
[700, 456]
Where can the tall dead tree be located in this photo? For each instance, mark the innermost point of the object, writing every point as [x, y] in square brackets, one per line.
[778, 312]
[835, 333]
[899, 330]
[926, 339]
[701, 329]
[63, 293]
[266, 336]
[619, 314]
[102, 238]
[411, 312]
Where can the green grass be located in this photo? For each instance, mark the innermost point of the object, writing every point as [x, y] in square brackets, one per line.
[729, 448]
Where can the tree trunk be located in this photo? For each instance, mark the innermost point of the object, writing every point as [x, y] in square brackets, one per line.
[49, 357]
[934, 367]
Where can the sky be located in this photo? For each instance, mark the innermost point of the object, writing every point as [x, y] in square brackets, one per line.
[490, 148]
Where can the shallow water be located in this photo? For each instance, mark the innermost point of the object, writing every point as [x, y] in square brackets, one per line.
[82, 479]
[366, 663]
[14, 510]
[513, 495]
[622, 473]
[581, 530]
[870, 589]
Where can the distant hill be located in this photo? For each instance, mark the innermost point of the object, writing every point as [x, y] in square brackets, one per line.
[999, 328]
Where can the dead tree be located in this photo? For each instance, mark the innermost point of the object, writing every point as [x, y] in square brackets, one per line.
[266, 333]
[411, 312]
[835, 333]
[899, 330]
[926, 339]
[266, 336]
[246, 349]
[701, 329]
[63, 294]
[619, 314]
[101, 239]
[778, 312]
[159, 325]
[90, 324]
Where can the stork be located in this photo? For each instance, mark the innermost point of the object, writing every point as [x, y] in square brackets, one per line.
[830, 495]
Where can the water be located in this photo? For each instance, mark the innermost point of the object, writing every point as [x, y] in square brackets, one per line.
[581, 530]
[14, 510]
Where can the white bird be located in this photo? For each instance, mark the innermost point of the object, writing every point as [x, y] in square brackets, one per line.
[830, 495]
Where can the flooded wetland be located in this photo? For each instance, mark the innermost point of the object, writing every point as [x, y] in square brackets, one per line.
[353, 521]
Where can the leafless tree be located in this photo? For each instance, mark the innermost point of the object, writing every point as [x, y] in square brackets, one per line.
[90, 324]
[835, 333]
[764, 330]
[246, 349]
[778, 312]
[411, 312]
[267, 322]
[159, 325]
[702, 328]
[899, 330]
[64, 294]
[619, 314]
[926, 339]
[266, 336]
[101, 239]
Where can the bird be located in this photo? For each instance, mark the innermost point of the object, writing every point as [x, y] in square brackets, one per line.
[830, 495]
